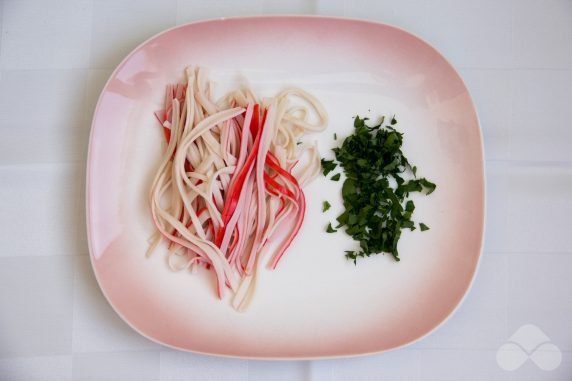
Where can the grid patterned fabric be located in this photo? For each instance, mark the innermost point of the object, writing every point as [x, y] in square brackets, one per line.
[55, 56]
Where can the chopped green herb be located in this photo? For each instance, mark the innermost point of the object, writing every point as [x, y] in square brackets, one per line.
[325, 206]
[423, 227]
[328, 166]
[359, 122]
[352, 256]
[335, 136]
[375, 192]
[428, 185]
[330, 229]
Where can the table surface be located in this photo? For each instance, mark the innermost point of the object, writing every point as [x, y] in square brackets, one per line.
[516, 58]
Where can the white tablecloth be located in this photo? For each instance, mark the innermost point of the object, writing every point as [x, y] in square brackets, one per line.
[516, 57]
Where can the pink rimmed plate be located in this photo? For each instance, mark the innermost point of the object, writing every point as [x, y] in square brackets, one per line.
[316, 304]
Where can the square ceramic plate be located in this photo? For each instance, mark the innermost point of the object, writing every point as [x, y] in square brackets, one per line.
[316, 303]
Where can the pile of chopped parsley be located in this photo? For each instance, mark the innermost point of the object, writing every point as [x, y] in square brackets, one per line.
[379, 180]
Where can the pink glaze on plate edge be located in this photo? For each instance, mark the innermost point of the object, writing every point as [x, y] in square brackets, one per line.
[246, 19]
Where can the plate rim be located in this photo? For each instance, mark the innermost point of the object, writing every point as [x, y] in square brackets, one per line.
[287, 16]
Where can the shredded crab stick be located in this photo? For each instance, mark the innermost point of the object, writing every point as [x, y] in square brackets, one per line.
[231, 179]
